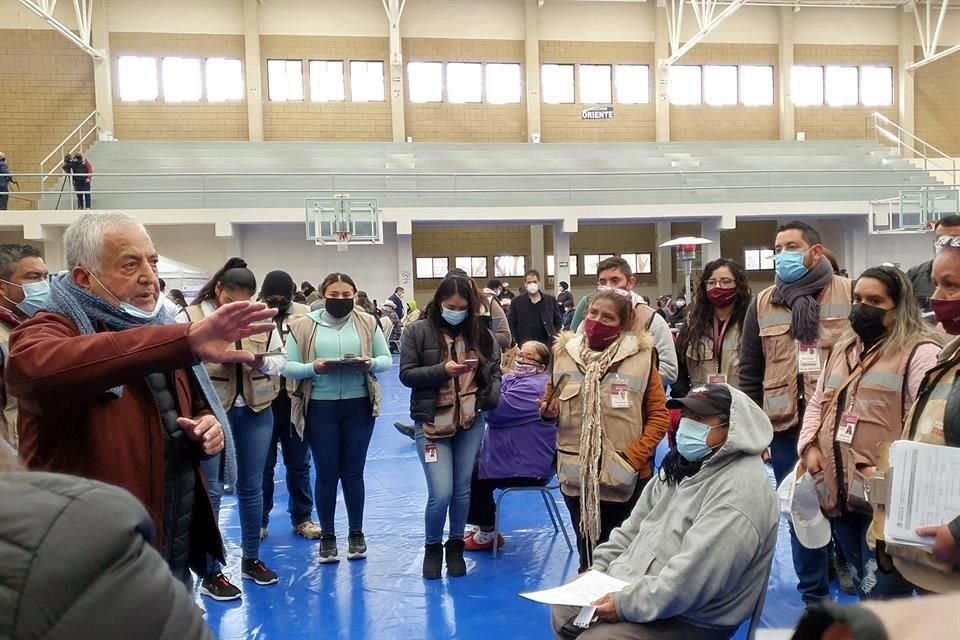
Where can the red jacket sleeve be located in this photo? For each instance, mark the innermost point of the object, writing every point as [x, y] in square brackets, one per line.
[50, 365]
[655, 424]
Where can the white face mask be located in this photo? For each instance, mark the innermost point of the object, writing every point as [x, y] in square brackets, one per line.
[533, 288]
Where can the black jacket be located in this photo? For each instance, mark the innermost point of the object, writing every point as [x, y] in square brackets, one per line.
[422, 370]
[541, 321]
[78, 563]
[921, 277]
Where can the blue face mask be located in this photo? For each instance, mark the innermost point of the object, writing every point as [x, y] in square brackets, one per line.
[790, 267]
[692, 439]
[454, 317]
[129, 309]
[36, 295]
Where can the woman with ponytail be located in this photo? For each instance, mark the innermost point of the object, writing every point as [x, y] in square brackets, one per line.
[247, 393]
[708, 347]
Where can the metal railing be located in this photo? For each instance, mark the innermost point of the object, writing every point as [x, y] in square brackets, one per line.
[75, 141]
[934, 160]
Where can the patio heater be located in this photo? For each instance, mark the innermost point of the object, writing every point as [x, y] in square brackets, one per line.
[686, 254]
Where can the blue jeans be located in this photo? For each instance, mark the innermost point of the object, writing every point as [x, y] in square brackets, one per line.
[812, 565]
[448, 479]
[251, 436]
[339, 433]
[296, 460]
[850, 532]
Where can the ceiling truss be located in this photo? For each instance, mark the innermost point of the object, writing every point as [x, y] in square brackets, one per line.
[82, 9]
[930, 17]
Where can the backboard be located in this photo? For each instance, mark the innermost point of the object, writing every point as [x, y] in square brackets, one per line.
[358, 218]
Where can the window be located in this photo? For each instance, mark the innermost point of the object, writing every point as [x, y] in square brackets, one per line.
[366, 81]
[508, 266]
[432, 267]
[475, 266]
[684, 85]
[556, 85]
[464, 82]
[756, 85]
[590, 262]
[806, 86]
[720, 85]
[841, 87]
[633, 83]
[224, 80]
[758, 259]
[551, 270]
[426, 81]
[137, 78]
[182, 79]
[876, 86]
[503, 83]
[284, 80]
[326, 81]
[595, 84]
[639, 262]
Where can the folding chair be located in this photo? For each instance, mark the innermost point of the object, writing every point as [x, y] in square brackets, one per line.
[552, 510]
[758, 608]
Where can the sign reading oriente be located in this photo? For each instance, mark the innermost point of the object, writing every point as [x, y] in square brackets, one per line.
[597, 113]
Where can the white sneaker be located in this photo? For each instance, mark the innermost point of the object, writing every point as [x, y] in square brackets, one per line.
[263, 533]
[308, 529]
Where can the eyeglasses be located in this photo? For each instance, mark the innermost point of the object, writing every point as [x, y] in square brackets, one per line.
[525, 360]
[723, 283]
[619, 292]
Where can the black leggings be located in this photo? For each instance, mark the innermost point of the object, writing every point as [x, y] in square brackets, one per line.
[612, 515]
[483, 508]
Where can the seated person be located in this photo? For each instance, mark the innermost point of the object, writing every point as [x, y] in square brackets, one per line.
[698, 544]
[518, 447]
[389, 310]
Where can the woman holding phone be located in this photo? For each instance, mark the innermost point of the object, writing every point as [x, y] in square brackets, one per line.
[611, 414]
[334, 354]
[451, 362]
[247, 393]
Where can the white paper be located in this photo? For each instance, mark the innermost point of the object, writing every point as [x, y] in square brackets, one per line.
[583, 591]
[925, 491]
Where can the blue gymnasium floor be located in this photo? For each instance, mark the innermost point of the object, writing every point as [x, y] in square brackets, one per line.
[384, 597]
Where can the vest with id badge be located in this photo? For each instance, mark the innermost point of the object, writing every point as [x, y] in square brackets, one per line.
[708, 365]
[792, 369]
[863, 406]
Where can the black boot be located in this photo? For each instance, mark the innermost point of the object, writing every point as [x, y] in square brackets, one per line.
[456, 567]
[432, 560]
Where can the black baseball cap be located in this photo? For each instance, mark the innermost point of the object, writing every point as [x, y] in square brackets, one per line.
[706, 400]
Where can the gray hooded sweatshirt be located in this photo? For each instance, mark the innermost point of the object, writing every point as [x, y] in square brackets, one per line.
[700, 550]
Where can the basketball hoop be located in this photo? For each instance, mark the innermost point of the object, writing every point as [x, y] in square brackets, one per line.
[343, 240]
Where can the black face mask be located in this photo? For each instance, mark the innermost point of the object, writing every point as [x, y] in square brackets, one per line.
[867, 322]
[338, 307]
[280, 305]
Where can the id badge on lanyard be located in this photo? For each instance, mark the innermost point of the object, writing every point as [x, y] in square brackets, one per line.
[618, 393]
[808, 357]
[719, 333]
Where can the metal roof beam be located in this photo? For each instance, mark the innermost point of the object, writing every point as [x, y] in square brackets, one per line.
[929, 32]
[943, 54]
[705, 18]
[83, 9]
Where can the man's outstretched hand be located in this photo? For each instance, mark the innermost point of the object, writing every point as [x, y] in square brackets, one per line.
[213, 339]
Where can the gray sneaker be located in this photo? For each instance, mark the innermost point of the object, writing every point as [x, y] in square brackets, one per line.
[328, 549]
[357, 548]
[405, 429]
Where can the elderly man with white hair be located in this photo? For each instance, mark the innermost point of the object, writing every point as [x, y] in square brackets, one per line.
[111, 389]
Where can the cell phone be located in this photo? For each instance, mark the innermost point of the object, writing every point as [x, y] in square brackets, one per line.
[264, 355]
[471, 361]
[558, 388]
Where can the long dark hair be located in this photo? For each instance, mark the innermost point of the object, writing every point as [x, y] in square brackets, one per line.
[232, 275]
[474, 332]
[699, 320]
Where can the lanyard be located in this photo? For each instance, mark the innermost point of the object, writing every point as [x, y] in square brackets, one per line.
[719, 331]
[863, 366]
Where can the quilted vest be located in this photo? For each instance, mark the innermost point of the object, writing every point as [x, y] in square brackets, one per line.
[874, 391]
[783, 395]
[700, 366]
[304, 331]
[259, 389]
[925, 423]
[621, 426]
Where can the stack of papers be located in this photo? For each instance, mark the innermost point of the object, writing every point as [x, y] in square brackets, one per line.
[583, 591]
[925, 491]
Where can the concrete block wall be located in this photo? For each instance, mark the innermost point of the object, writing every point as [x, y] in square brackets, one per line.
[630, 123]
[843, 123]
[46, 90]
[161, 120]
[338, 121]
[473, 122]
[702, 122]
[937, 90]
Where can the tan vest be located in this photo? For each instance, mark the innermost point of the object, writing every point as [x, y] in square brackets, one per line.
[700, 366]
[621, 426]
[924, 423]
[782, 393]
[456, 406]
[643, 318]
[304, 331]
[296, 310]
[876, 396]
[8, 422]
[259, 389]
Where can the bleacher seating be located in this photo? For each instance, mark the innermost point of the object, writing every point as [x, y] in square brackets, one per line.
[282, 174]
